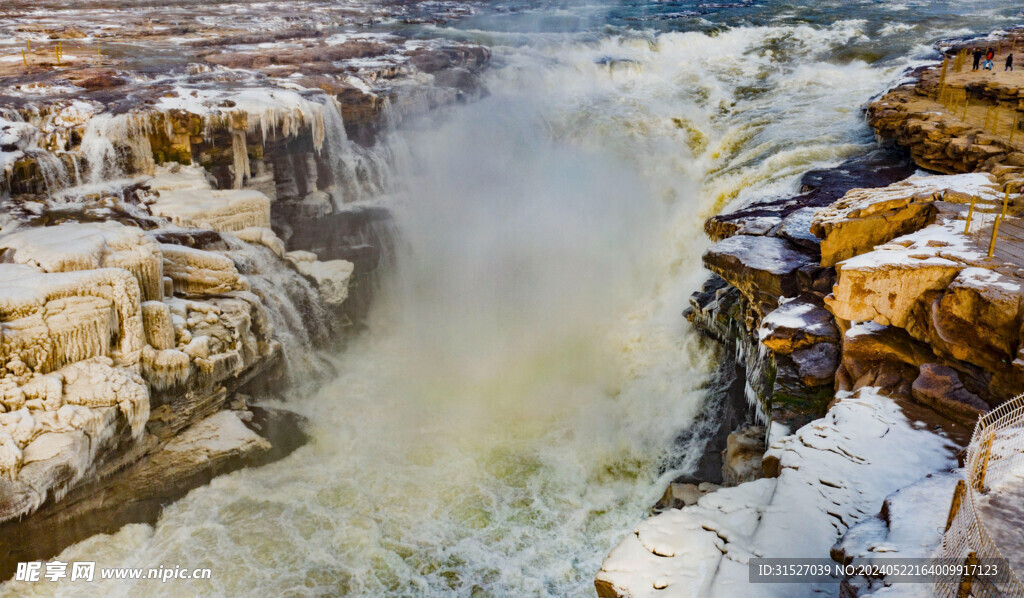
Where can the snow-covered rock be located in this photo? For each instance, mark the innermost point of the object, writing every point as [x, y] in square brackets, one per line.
[84, 345]
[186, 198]
[865, 218]
[218, 436]
[797, 324]
[198, 272]
[941, 288]
[830, 474]
[762, 268]
[909, 525]
[332, 277]
[74, 247]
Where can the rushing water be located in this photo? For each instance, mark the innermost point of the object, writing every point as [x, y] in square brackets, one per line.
[511, 413]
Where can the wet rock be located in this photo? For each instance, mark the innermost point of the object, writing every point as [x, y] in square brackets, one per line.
[316, 204]
[741, 459]
[103, 81]
[940, 388]
[797, 324]
[818, 188]
[459, 78]
[796, 228]
[816, 364]
[762, 268]
[679, 495]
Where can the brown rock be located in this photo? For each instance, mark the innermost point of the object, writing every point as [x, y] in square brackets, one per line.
[797, 324]
[888, 292]
[873, 343]
[940, 388]
[762, 268]
[741, 459]
[679, 495]
[103, 81]
[978, 318]
[864, 218]
[816, 365]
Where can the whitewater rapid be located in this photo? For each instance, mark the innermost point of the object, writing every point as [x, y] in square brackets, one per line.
[512, 411]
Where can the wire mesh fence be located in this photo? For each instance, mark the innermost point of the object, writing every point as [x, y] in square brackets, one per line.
[995, 456]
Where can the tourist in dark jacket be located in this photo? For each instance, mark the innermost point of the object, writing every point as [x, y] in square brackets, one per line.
[1009, 63]
[977, 58]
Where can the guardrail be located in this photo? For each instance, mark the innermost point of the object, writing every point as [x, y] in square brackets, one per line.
[996, 452]
[985, 216]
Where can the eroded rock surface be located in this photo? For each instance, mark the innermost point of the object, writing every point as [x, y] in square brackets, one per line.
[762, 268]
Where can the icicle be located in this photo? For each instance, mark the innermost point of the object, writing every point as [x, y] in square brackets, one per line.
[241, 157]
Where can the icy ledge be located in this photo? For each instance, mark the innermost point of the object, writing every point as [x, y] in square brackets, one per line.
[831, 474]
[112, 342]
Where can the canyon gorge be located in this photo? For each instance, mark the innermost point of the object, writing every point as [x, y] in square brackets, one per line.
[493, 299]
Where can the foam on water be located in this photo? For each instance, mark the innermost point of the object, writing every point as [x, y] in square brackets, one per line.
[511, 413]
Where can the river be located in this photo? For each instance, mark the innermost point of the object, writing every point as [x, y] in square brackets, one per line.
[514, 408]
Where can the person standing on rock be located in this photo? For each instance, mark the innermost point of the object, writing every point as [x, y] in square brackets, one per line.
[977, 58]
[990, 54]
[1009, 63]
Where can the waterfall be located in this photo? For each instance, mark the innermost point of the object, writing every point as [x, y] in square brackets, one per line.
[54, 170]
[517, 402]
[293, 305]
[117, 146]
[359, 172]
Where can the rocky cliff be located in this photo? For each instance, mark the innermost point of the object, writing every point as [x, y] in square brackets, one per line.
[872, 290]
[176, 241]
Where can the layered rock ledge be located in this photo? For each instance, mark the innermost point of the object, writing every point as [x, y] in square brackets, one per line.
[187, 214]
[856, 301]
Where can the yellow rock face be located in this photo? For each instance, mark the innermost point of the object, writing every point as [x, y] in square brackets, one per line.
[865, 218]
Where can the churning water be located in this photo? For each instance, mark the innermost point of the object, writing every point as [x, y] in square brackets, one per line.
[511, 412]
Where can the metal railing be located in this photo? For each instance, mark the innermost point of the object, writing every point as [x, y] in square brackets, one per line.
[996, 453]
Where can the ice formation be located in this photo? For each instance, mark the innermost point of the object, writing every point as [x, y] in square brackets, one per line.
[186, 198]
[88, 247]
[88, 334]
[198, 272]
[332, 277]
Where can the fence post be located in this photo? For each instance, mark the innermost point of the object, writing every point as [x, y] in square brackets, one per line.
[967, 579]
[986, 445]
[954, 507]
[970, 214]
[991, 251]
